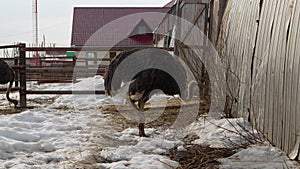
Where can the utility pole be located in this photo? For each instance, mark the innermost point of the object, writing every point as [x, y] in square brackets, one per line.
[35, 28]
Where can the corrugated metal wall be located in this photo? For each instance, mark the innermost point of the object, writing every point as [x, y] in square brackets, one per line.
[259, 41]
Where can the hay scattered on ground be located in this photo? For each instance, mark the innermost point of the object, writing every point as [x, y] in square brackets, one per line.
[165, 120]
[7, 111]
[196, 156]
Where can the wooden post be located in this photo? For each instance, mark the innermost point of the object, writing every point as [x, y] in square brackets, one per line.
[112, 54]
[74, 59]
[22, 74]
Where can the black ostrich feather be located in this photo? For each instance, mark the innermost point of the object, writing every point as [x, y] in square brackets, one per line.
[7, 75]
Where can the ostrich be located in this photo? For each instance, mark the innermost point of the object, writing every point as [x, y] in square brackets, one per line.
[146, 70]
[111, 88]
[7, 75]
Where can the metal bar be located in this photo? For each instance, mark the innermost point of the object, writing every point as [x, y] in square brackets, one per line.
[7, 59]
[56, 61]
[66, 92]
[206, 24]
[12, 89]
[178, 14]
[196, 1]
[41, 81]
[9, 46]
[18, 67]
[90, 48]
[210, 20]
[195, 20]
[22, 75]
[205, 40]
[52, 57]
[16, 62]
[52, 70]
[74, 64]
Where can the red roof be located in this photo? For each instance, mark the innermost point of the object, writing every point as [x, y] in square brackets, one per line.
[113, 26]
[171, 3]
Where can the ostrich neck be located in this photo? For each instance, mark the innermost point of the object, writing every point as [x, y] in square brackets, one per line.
[190, 87]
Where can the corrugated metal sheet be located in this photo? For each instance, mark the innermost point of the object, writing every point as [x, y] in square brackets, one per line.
[259, 43]
[238, 43]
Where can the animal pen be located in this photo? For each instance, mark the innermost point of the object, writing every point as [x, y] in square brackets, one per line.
[68, 71]
[257, 42]
[43, 74]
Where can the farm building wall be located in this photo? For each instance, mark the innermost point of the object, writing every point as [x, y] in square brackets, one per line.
[217, 12]
[258, 42]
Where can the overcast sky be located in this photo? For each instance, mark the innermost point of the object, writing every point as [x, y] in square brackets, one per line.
[55, 18]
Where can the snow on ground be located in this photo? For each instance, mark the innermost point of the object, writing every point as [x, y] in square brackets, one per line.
[258, 157]
[72, 132]
[226, 132]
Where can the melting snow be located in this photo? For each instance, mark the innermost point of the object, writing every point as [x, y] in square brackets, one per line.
[73, 132]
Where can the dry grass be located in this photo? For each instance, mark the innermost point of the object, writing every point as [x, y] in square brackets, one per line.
[164, 120]
[197, 156]
[7, 111]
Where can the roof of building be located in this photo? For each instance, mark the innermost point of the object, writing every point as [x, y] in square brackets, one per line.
[113, 26]
[171, 3]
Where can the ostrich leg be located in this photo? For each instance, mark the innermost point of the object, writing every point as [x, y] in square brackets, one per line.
[141, 125]
[15, 102]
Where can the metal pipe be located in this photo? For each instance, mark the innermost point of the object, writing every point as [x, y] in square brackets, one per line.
[22, 75]
[67, 92]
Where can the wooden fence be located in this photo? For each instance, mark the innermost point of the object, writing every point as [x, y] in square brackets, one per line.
[259, 41]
